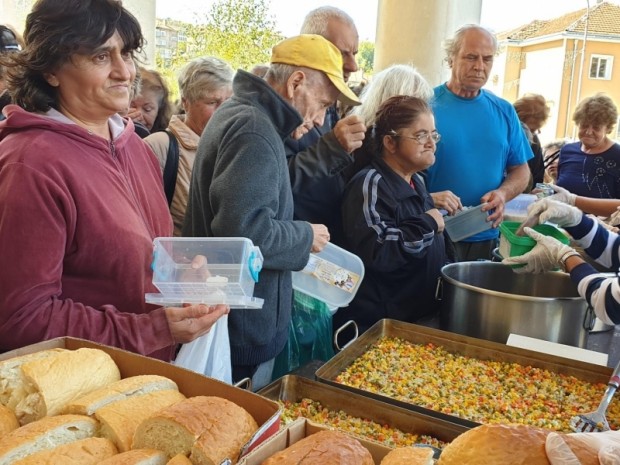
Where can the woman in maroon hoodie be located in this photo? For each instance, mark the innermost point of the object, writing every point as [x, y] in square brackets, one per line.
[81, 195]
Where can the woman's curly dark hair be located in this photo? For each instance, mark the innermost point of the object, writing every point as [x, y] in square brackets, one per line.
[57, 29]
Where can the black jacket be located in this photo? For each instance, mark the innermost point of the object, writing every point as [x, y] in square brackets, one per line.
[385, 224]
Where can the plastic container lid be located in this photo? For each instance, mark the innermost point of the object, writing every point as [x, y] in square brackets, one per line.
[213, 270]
[467, 222]
[516, 209]
[511, 245]
[332, 276]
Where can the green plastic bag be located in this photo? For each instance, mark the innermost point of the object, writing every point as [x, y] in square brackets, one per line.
[310, 335]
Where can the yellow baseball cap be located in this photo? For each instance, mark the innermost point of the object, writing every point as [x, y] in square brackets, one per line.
[315, 52]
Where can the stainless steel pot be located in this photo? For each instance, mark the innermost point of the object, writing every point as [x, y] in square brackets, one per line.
[488, 300]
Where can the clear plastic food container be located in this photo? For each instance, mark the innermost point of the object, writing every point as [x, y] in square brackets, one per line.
[213, 270]
[332, 276]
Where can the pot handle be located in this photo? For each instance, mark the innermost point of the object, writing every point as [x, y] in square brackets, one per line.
[589, 318]
[439, 289]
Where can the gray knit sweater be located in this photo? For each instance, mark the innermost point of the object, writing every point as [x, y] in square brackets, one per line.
[241, 188]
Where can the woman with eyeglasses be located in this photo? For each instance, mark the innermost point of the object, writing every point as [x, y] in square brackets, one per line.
[551, 156]
[390, 220]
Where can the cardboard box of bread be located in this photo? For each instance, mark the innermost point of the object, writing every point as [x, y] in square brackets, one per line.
[72, 401]
[308, 443]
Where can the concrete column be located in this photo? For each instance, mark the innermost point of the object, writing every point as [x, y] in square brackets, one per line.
[411, 31]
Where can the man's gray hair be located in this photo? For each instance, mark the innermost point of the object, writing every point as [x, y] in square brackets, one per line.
[203, 75]
[278, 73]
[453, 46]
[317, 20]
[395, 80]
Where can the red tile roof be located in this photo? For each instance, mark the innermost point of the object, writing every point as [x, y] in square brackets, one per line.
[604, 20]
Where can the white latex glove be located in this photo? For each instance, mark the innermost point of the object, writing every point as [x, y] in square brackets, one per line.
[555, 212]
[562, 195]
[547, 254]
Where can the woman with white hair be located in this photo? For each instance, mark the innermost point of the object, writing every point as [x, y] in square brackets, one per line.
[204, 84]
[400, 79]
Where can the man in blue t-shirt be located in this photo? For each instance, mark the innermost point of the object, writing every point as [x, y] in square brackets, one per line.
[483, 153]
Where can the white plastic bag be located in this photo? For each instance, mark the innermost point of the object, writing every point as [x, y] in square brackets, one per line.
[209, 354]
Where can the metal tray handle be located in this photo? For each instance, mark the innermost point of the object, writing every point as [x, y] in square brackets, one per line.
[339, 330]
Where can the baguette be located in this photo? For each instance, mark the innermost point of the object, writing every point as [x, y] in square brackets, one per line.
[409, 456]
[180, 459]
[89, 451]
[44, 434]
[53, 382]
[210, 428]
[119, 390]
[119, 420]
[323, 448]
[8, 420]
[137, 457]
[12, 389]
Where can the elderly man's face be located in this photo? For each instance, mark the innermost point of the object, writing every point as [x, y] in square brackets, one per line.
[311, 97]
[472, 64]
[346, 39]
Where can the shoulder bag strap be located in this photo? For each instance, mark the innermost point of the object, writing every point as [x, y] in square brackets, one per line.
[172, 167]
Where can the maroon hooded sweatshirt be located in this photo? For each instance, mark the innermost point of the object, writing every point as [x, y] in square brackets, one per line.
[78, 215]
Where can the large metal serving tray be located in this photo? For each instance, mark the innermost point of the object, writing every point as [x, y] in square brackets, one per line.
[464, 345]
[295, 388]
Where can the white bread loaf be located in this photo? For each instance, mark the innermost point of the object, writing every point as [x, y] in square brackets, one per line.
[179, 459]
[44, 434]
[137, 457]
[119, 420]
[497, 444]
[52, 382]
[323, 448]
[8, 420]
[89, 451]
[12, 389]
[119, 390]
[409, 456]
[211, 428]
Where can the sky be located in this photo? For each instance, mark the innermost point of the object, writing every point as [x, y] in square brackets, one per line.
[499, 15]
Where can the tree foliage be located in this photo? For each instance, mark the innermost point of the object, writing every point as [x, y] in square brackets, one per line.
[241, 32]
[366, 56]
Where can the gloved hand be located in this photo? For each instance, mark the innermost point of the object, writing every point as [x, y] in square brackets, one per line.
[562, 195]
[559, 213]
[547, 254]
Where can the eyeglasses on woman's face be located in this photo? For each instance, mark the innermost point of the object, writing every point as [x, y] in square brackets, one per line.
[421, 138]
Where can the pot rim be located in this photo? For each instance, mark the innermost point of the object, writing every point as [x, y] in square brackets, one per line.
[490, 292]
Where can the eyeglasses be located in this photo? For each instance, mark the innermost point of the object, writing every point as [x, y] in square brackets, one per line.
[422, 138]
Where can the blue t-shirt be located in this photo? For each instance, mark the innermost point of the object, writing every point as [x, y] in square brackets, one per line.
[596, 176]
[480, 138]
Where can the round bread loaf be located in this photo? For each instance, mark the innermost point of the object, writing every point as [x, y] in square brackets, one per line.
[323, 448]
[497, 445]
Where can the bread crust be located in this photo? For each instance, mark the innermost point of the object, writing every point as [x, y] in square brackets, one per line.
[180, 459]
[47, 433]
[8, 421]
[119, 390]
[119, 420]
[322, 448]
[409, 456]
[210, 428]
[89, 451]
[501, 444]
[53, 382]
[137, 457]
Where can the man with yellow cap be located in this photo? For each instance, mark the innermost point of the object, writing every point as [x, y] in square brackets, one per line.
[241, 188]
